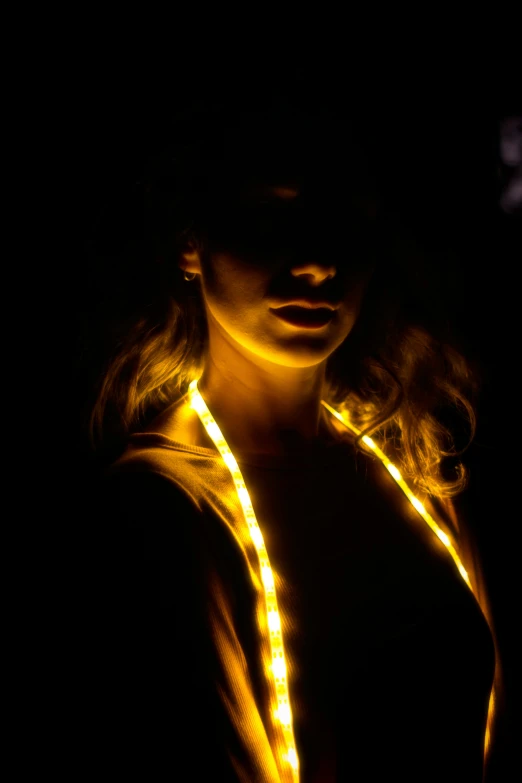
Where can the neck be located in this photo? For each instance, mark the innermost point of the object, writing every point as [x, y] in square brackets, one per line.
[265, 408]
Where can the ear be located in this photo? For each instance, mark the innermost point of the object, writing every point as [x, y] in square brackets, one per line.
[190, 260]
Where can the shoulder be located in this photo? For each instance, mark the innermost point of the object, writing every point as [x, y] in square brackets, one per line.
[180, 423]
[142, 480]
[150, 472]
[145, 540]
[142, 508]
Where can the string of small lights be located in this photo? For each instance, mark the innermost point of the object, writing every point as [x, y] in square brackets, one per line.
[277, 672]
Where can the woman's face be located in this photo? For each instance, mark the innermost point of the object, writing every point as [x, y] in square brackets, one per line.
[283, 233]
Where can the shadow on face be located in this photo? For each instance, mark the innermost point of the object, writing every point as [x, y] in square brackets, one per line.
[288, 186]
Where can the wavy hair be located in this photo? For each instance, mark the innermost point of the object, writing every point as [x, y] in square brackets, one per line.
[401, 374]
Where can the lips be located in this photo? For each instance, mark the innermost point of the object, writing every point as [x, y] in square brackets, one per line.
[308, 303]
[304, 317]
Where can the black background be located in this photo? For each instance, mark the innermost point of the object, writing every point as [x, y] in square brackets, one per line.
[437, 143]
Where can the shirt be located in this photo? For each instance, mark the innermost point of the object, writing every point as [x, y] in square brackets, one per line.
[390, 660]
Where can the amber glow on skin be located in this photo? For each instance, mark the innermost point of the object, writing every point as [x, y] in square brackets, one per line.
[277, 371]
[276, 670]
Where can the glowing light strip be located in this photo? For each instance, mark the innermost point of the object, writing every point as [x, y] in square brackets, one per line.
[416, 503]
[278, 667]
[278, 672]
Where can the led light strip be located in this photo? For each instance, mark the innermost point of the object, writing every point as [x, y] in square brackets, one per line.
[278, 672]
[283, 713]
[390, 467]
[416, 503]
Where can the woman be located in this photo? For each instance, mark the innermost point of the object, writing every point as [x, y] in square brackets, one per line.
[324, 633]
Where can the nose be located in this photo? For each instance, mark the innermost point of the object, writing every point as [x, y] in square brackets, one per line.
[315, 273]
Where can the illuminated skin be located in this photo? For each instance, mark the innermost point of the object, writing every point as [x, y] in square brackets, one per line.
[264, 379]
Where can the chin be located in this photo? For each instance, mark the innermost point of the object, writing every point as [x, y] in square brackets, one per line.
[302, 355]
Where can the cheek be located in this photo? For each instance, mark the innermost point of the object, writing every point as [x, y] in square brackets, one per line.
[248, 258]
[359, 290]
[233, 286]
[353, 302]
